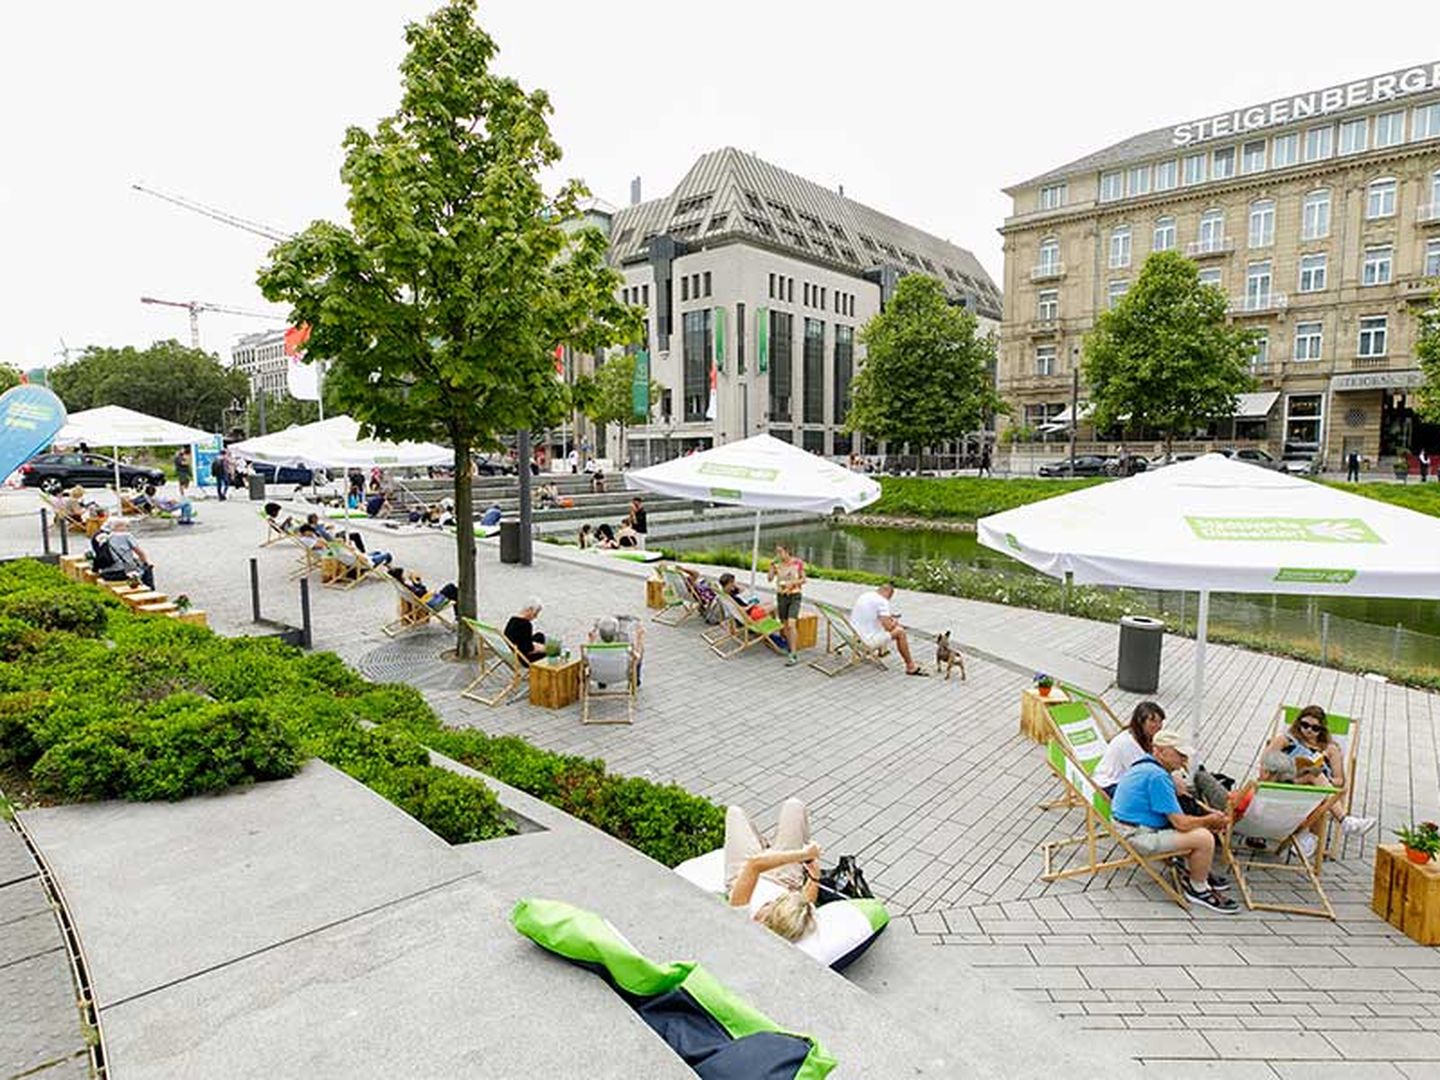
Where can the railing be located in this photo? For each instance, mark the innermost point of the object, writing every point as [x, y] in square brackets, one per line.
[1046, 271]
[1040, 327]
[1428, 214]
[1418, 288]
[1369, 363]
[1199, 249]
[1259, 303]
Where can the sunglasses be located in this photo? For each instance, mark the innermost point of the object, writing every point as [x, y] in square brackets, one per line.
[1310, 727]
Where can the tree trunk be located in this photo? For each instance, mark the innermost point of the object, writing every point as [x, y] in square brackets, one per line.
[466, 580]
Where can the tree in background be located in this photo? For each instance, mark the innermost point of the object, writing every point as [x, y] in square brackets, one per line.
[926, 375]
[1427, 351]
[168, 380]
[608, 396]
[440, 307]
[1164, 357]
[9, 376]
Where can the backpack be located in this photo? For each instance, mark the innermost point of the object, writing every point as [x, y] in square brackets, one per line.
[102, 558]
[217, 467]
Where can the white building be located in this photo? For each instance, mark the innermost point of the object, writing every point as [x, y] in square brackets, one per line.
[261, 356]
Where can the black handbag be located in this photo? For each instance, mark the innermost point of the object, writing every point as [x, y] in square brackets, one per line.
[845, 881]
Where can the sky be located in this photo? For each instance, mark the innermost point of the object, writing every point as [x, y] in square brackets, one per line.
[920, 109]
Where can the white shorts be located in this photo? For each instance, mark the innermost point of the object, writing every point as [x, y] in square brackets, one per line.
[878, 640]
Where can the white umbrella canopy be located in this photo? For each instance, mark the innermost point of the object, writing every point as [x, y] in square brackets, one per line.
[116, 426]
[336, 443]
[763, 472]
[1217, 525]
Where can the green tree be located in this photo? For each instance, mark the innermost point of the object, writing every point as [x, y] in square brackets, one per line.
[607, 397]
[168, 380]
[9, 376]
[1427, 351]
[926, 375]
[440, 307]
[1164, 357]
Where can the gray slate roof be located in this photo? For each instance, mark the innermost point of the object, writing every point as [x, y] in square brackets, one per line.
[729, 195]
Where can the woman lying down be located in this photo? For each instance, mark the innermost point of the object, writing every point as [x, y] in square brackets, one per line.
[792, 862]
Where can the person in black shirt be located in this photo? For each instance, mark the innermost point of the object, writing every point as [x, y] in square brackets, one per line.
[637, 520]
[520, 632]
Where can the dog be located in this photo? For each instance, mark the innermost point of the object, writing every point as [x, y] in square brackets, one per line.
[948, 656]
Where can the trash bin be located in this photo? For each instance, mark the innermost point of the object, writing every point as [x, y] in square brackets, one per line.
[257, 487]
[1138, 667]
[510, 540]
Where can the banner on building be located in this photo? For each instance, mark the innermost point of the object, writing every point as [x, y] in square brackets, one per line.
[203, 454]
[714, 380]
[720, 339]
[640, 387]
[762, 339]
[30, 417]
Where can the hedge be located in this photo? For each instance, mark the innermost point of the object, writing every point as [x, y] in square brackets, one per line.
[97, 702]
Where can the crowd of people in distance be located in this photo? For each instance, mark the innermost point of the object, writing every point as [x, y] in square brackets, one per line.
[629, 533]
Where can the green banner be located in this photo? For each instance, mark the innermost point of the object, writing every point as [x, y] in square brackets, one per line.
[719, 339]
[762, 339]
[1284, 530]
[1314, 575]
[640, 388]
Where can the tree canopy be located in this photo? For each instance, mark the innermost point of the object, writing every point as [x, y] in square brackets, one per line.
[9, 376]
[440, 306]
[168, 380]
[1427, 351]
[1164, 357]
[607, 397]
[927, 371]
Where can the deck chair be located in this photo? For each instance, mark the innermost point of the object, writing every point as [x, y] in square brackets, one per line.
[58, 513]
[681, 602]
[412, 612]
[1072, 755]
[1345, 732]
[345, 573]
[499, 664]
[273, 532]
[844, 647]
[607, 672]
[307, 558]
[1277, 815]
[1091, 750]
[738, 632]
[130, 508]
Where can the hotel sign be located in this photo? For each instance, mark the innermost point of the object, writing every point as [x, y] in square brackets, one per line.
[1378, 380]
[1380, 88]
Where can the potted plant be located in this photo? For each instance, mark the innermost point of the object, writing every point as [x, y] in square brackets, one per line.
[1043, 683]
[182, 603]
[1422, 842]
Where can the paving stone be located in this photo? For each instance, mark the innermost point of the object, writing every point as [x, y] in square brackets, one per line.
[1209, 1070]
[1355, 979]
[1268, 1046]
[1135, 978]
[1388, 1045]
[39, 1023]
[1091, 955]
[1336, 1070]
[16, 862]
[993, 955]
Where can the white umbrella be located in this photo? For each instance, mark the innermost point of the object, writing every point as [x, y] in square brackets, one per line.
[117, 426]
[337, 443]
[762, 472]
[1216, 525]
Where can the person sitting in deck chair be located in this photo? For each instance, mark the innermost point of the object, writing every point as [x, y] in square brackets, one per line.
[348, 552]
[150, 502]
[72, 505]
[877, 625]
[793, 860]
[285, 524]
[1146, 806]
[1318, 761]
[123, 557]
[442, 597]
[609, 629]
[520, 631]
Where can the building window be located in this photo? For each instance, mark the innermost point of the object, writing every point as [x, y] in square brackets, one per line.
[1111, 186]
[1166, 174]
[698, 349]
[1262, 223]
[1312, 272]
[1372, 335]
[813, 393]
[1260, 358]
[1195, 168]
[1164, 236]
[822, 297]
[789, 290]
[1212, 231]
[782, 329]
[1319, 143]
[1050, 256]
[685, 287]
[1257, 286]
[1211, 277]
[1285, 150]
[1380, 199]
[1390, 129]
[1309, 337]
[1435, 192]
[740, 339]
[707, 282]
[844, 371]
[805, 294]
[1355, 136]
[1117, 290]
[1222, 165]
[1315, 216]
[1120, 247]
[1047, 306]
[1432, 258]
[1139, 182]
[1377, 266]
[1425, 122]
[1303, 416]
[1053, 196]
[1045, 360]
[772, 286]
[645, 295]
[1252, 156]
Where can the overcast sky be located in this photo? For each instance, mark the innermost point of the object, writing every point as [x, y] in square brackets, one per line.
[920, 109]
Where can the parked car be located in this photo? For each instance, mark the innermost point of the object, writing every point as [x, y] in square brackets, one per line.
[1252, 456]
[54, 472]
[1085, 465]
[1135, 464]
[1301, 464]
[298, 475]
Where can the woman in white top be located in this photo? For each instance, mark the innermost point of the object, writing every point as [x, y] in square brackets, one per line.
[1129, 746]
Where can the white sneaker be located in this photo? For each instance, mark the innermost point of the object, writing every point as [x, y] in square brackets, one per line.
[1307, 844]
[1356, 826]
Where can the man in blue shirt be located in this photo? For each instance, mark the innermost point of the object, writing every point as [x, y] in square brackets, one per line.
[1146, 807]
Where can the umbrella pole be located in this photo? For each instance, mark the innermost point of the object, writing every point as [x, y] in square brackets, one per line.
[115, 460]
[755, 552]
[1202, 628]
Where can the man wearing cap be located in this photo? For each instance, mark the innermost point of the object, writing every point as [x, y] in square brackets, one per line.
[1146, 807]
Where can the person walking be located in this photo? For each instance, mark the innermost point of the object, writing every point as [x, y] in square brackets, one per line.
[220, 473]
[984, 469]
[788, 573]
[1352, 467]
[1424, 465]
[183, 471]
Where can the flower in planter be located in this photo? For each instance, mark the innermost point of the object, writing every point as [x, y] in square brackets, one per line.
[1043, 681]
[1424, 838]
[182, 602]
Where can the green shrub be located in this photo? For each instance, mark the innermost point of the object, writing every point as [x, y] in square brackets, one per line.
[20, 712]
[461, 809]
[663, 820]
[56, 608]
[17, 638]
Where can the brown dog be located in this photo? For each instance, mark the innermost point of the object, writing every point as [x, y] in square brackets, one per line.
[948, 656]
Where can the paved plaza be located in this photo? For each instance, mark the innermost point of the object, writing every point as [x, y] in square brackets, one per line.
[929, 783]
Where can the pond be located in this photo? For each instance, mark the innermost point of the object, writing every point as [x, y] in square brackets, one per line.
[890, 550]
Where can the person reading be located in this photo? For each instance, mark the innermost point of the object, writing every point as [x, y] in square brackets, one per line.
[792, 861]
[520, 631]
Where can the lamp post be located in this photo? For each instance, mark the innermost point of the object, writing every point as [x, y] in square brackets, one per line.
[1074, 405]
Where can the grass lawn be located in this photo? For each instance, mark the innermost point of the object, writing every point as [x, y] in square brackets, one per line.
[1424, 498]
[964, 498]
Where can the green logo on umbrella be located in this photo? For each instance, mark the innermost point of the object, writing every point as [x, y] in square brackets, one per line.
[1315, 575]
[1285, 530]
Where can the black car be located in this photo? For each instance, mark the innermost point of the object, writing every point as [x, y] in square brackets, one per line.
[298, 475]
[54, 472]
[1085, 465]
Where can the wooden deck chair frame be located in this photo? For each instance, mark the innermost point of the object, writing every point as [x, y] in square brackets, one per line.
[1106, 723]
[58, 514]
[413, 612]
[335, 573]
[273, 532]
[308, 558]
[498, 662]
[1346, 730]
[850, 651]
[128, 508]
[1305, 800]
[738, 632]
[679, 597]
[1060, 755]
[611, 692]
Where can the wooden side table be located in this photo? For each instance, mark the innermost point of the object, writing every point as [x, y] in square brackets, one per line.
[1034, 721]
[555, 682]
[654, 593]
[1407, 895]
[807, 630]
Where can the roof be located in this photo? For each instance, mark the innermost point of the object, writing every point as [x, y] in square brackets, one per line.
[728, 195]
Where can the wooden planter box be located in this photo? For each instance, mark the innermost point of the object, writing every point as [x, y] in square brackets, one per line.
[1407, 895]
[654, 593]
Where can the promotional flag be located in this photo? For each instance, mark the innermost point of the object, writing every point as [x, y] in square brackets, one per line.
[640, 387]
[710, 409]
[30, 418]
[302, 380]
[560, 363]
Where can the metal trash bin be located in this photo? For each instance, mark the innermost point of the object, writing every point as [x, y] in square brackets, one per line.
[510, 540]
[257, 487]
[1138, 666]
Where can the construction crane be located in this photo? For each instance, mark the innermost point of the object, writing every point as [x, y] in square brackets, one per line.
[195, 307]
[233, 220]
